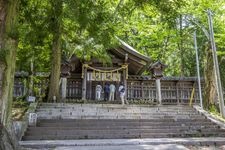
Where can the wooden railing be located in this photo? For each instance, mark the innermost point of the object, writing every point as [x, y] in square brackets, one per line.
[39, 89]
[20, 87]
[173, 91]
[74, 88]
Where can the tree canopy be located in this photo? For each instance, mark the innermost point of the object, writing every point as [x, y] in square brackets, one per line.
[160, 29]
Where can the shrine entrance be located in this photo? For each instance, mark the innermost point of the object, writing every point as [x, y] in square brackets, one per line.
[103, 77]
[91, 89]
[84, 75]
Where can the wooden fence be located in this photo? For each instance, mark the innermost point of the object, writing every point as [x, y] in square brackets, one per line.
[74, 88]
[39, 89]
[174, 91]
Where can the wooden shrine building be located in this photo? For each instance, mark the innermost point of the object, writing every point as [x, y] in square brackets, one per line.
[126, 62]
[79, 79]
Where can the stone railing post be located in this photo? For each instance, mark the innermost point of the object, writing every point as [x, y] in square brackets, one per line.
[84, 83]
[158, 90]
[63, 88]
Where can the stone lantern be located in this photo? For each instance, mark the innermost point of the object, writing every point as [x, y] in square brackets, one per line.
[157, 69]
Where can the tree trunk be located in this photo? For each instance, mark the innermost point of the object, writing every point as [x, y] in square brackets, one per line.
[210, 95]
[8, 82]
[8, 44]
[8, 47]
[56, 50]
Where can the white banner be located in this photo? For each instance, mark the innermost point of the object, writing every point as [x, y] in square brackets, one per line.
[102, 76]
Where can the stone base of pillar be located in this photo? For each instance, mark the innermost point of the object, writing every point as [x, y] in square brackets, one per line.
[158, 91]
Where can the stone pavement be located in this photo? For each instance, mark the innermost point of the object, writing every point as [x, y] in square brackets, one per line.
[136, 147]
[115, 143]
[126, 147]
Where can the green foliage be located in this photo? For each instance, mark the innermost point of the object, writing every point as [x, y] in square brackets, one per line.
[214, 109]
[34, 41]
[160, 29]
[20, 102]
[40, 91]
[88, 29]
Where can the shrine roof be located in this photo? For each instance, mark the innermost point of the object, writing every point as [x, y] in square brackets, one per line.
[124, 53]
[133, 51]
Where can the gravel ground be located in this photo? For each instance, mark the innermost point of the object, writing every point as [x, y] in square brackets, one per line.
[136, 147]
[205, 148]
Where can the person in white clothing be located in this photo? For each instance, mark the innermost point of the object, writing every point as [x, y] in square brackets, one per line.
[122, 94]
[112, 92]
[98, 91]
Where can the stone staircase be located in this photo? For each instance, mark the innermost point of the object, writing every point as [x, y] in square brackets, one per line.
[113, 121]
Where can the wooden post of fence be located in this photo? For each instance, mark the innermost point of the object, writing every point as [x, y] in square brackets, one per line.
[142, 90]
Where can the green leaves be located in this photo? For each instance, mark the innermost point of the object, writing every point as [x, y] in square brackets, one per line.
[160, 29]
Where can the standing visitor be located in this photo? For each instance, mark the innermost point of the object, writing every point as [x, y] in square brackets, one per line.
[98, 91]
[112, 89]
[122, 93]
[106, 91]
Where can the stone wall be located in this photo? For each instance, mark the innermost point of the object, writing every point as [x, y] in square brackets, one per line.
[21, 126]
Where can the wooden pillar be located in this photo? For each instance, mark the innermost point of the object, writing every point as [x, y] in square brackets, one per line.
[177, 93]
[125, 83]
[142, 91]
[84, 84]
[90, 88]
[63, 88]
[158, 90]
[132, 90]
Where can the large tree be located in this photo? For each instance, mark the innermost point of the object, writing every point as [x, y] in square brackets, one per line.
[56, 29]
[8, 47]
[198, 11]
[84, 24]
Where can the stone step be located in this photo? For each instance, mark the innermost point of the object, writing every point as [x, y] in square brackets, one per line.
[112, 127]
[114, 117]
[115, 107]
[122, 136]
[206, 123]
[115, 111]
[147, 111]
[119, 120]
[129, 124]
[124, 143]
[39, 131]
[113, 121]
[111, 105]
